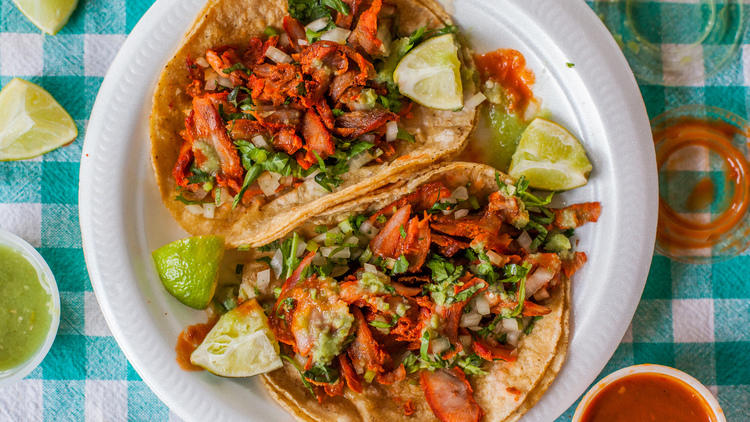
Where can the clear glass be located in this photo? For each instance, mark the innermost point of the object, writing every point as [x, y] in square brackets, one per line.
[670, 42]
[704, 184]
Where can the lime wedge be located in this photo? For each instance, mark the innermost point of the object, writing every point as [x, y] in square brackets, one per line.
[430, 74]
[32, 122]
[550, 157]
[189, 268]
[241, 344]
[48, 15]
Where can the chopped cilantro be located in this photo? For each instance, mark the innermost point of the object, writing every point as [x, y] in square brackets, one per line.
[322, 373]
[186, 201]
[270, 31]
[400, 266]
[298, 367]
[236, 66]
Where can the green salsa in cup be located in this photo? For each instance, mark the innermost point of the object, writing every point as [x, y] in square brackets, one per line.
[29, 308]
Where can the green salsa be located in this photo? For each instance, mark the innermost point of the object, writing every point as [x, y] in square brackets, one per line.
[25, 309]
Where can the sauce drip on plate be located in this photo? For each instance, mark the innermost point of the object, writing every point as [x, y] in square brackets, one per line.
[648, 397]
[189, 340]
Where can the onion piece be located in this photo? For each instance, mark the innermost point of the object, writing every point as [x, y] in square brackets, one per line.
[513, 337]
[302, 42]
[482, 305]
[337, 35]
[368, 229]
[328, 251]
[391, 131]
[223, 81]
[339, 270]
[369, 268]
[301, 246]
[509, 325]
[360, 160]
[537, 279]
[269, 182]
[461, 214]
[541, 294]
[524, 240]
[276, 263]
[460, 193]
[439, 345]
[209, 210]
[210, 81]
[277, 55]
[474, 101]
[319, 260]
[262, 280]
[318, 24]
[495, 258]
[202, 62]
[194, 209]
[260, 141]
[471, 319]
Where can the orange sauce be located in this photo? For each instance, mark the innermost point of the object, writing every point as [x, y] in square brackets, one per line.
[508, 68]
[189, 340]
[648, 397]
[702, 195]
[675, 231]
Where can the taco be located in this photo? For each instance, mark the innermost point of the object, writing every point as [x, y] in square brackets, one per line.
[444, 297]
[269, 113]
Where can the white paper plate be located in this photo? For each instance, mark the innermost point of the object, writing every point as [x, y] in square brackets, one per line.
[123, 219]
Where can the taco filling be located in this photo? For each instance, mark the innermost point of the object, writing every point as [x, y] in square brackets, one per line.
[434, 286]
[307, 102]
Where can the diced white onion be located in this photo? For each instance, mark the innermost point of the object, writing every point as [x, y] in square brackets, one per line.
[318, 259]
[460, 193]
[513, 337]
[276, 263]
[221, 80]
[474, 101]
[264, 277]
[259, 141]
[360, 160]
[509, 325]
[446, 212]
[209, 210]
[194, 209]
[277, 55]
[337, 35]
[339, 270]
[302, 42]
[301, 246]
[312, 175]
[327, 251]
[541, 294]
[482, 305]
[210, 81]
[439, 345]
[495, 258]
[368, 229]
[201, 61]
[357, 106]
[369, 268]
[536, 280]
[368, 137]
[465, 340]
[318, 24]
[461, 213]
[524, 240]
[471, 319]
[269, 182]
[474, 328]
[352, 240]
[391, 131]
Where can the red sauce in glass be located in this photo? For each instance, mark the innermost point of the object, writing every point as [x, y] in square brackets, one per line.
[508, 68]
[648, 397]
[675, 231]
[189, 340]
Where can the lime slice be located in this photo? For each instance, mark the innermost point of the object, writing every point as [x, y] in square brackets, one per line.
[550, 157]
[189, 268]
[48, 15]
[241, 344]
[32, 122]
[430, 74]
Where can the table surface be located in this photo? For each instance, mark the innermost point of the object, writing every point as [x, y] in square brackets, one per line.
[692, 317]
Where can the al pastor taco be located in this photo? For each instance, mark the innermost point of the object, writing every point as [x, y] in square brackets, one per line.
[444, 297]
[271, 112]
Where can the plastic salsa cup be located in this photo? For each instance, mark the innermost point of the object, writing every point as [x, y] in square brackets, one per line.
[710, 409]
[47, 281]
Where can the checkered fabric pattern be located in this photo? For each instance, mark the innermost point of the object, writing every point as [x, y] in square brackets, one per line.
[693, 317]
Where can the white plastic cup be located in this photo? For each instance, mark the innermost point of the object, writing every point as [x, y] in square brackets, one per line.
[696, 385]
[47, 280]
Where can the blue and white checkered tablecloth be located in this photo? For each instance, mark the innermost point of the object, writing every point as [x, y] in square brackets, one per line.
[693, 317]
